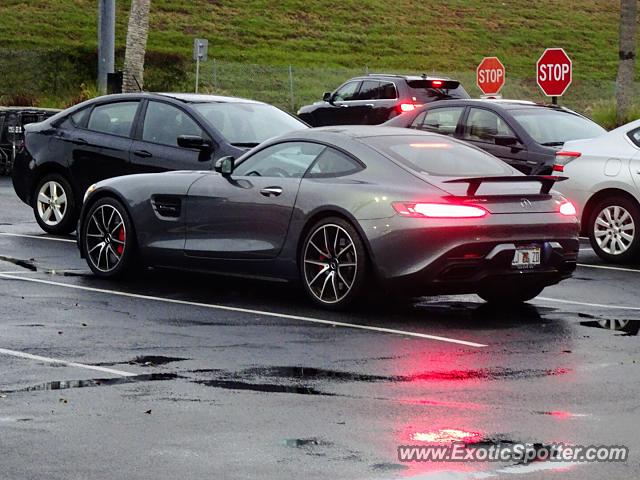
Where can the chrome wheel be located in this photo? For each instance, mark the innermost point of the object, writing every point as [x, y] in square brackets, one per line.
[614, 230]
[105, 235]
[51, 203]
[330, 263]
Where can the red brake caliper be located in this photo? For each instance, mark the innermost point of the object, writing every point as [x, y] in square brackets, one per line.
[120, 248]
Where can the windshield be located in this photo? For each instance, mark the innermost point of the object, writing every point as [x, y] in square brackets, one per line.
[438, 155]
[553, 127]
[248, 124]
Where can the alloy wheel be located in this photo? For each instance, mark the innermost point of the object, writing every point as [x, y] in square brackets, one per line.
[613, 324]
[330, 263]
[614, 230]
[105, 238]
[51, 203]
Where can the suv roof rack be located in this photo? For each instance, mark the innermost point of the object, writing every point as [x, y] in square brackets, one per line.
[386, 75]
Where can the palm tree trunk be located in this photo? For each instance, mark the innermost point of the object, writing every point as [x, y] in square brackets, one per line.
[627, 63]
[137, 34]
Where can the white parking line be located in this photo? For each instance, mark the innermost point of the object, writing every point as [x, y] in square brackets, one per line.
[247, 310]
[38, 237]
[606, 267]
[38, 358]
[586, 304]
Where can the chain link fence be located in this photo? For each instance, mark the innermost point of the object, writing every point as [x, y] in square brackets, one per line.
[58, 79]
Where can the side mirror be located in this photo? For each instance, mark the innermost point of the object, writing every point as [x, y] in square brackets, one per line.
[193, 141]
[326, 96]
[505, 140]
[224, 166]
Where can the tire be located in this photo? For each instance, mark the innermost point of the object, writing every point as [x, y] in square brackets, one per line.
[108, 239]
[509, 296]
[333, 272]
[628, 326]
[614, 225]
[54, 205]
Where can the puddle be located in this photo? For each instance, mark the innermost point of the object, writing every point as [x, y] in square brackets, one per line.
[144, 360]
[488, 374]
[311, 373]
[96, 382]
[304, 442]
[262, 387]
[28, 264]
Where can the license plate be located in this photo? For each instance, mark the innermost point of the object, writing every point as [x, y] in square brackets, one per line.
[526, 257]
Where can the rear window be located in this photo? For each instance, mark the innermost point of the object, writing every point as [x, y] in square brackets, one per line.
[554, 127]
[423, 91]
[438, 156]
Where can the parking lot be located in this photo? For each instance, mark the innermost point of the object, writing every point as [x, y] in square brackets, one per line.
[173, 372]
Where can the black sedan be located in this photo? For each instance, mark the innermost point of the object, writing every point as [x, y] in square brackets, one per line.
[526, 135]
[126, 134]
[343, 210]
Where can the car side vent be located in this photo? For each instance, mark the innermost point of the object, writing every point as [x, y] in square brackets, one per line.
[167, 205]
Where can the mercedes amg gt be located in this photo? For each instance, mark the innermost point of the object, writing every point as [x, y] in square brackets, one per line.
[343, 210]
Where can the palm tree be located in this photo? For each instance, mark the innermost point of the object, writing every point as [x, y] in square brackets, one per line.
[627, 63]
[137, 34]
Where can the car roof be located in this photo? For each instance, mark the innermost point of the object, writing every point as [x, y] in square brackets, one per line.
[364, 131]
[204, 98]
[401, 77]
[499, 104]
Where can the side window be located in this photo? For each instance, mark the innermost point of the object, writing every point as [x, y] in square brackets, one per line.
[483, 125]
[634, 136]
[113, 118]
[79, 118]
[164, 123]
[388, 91]
[418, 121]
[442, 120]
[346, 92]
[368, 90]
[284, 160]
[332, 163]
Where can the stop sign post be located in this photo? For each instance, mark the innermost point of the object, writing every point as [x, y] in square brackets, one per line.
[554, 72]
[490, 75]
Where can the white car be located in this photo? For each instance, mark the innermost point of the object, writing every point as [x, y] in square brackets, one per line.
[604, 185]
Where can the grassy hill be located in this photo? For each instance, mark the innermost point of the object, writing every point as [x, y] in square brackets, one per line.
[401, 35]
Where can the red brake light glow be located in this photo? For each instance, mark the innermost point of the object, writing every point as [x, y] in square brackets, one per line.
[438, 210]
[407, 107]
[565, 153]
[437, 83]
[568, 209]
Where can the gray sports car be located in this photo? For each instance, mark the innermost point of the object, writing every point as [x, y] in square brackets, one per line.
[343, 210]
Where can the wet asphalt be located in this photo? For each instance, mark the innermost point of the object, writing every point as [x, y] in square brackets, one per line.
[179, 375]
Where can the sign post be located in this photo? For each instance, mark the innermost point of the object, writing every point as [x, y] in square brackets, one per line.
[490, 75]
[554, 72]
[200, 47]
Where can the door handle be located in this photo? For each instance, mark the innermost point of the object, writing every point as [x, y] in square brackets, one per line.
[142, 153]
[271, 191]
[79, 141]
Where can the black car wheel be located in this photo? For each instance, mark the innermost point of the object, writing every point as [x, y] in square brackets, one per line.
[107, 238]
[510, 295]
[54, 205]
[333, 263]
[613, 229]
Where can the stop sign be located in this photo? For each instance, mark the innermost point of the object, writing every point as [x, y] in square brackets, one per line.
[490, 75]
[554, 72]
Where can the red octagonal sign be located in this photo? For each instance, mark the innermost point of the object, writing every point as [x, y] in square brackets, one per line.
[490, 75]
[554, 72]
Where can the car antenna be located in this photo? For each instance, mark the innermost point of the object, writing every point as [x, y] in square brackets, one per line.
[137, 83]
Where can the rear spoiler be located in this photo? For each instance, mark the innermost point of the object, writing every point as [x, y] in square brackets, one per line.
[546, 181]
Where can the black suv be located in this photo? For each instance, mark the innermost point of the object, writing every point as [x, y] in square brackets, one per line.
[12, 122]
[375, 98]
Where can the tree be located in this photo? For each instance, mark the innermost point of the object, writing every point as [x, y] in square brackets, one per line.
[627, 55]
[137, 33]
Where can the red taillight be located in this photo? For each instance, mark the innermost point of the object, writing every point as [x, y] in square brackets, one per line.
[558, 168]
[438, 210]
[406, 107]
[437, 83]
[565, 154]
[568, 209]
